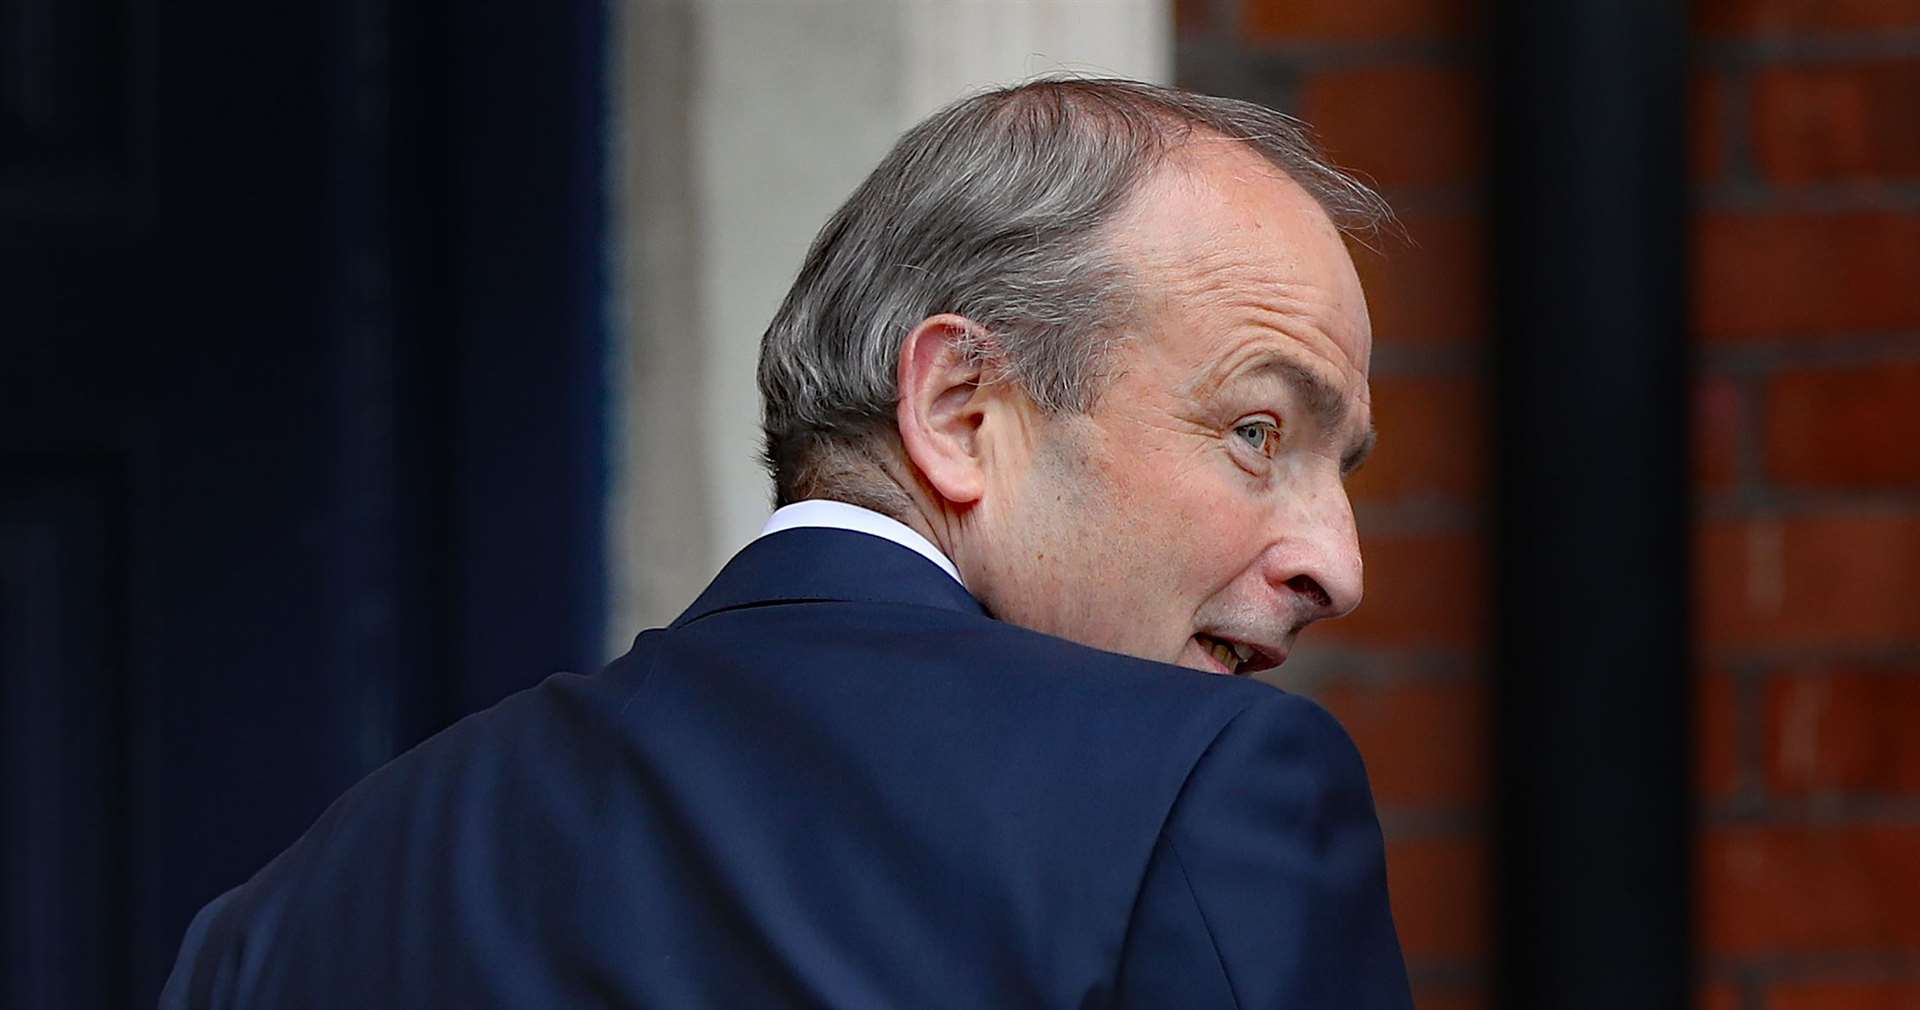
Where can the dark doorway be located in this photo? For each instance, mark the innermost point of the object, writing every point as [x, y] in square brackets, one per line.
[301, 405]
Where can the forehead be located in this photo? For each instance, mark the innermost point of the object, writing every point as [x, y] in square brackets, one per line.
[1232, 253]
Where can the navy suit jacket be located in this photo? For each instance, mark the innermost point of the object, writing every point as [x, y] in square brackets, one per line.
[835, 782]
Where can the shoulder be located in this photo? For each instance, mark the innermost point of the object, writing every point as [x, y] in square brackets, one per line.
[908, 638]
[1281, 759]
[1244, 713]
[1274, 850]
[1276, 726]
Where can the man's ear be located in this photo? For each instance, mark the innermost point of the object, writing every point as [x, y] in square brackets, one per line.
[942, 405]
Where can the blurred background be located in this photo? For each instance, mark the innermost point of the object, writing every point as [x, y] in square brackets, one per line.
[362, 362]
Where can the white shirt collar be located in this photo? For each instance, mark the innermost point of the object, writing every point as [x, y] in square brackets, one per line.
[839, 515]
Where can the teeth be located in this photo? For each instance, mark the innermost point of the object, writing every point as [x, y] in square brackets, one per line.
[1245, 652]
[1227, 654]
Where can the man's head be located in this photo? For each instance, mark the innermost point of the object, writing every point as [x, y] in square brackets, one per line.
[1103, 343]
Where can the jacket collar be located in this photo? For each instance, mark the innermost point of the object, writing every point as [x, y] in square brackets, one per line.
[818, 563]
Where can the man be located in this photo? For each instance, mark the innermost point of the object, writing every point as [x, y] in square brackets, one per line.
[1058, 410]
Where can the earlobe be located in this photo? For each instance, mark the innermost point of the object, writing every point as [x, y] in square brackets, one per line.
[941, 410]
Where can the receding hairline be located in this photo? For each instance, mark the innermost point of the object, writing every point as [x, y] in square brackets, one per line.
[1195, 160]
[1177, 120]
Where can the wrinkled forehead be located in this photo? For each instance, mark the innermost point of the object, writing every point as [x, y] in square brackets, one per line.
[1217, 227]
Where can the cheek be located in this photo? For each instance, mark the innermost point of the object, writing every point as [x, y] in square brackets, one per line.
[1177, 521]
[1194, 535]
[1223, 545]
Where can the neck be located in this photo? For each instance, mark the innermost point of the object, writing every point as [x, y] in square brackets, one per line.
[933, 517]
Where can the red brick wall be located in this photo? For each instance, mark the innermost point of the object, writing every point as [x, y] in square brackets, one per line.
[1807, 316]
[1806, 289]
[1393, 85]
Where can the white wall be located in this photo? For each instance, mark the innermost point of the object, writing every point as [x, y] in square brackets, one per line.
[742, 125]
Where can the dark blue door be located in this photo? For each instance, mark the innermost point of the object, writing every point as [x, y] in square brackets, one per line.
[300, 430]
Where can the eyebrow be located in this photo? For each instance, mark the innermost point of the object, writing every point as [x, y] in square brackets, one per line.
[1326, 404]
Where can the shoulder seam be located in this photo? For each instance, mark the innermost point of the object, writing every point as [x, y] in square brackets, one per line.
[1166, 819]
[1181, 865]
[646, 677]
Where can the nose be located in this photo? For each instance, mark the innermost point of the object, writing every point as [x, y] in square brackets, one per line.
[1314, 557]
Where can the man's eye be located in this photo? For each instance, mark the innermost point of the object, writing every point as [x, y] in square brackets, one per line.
[1264, 436]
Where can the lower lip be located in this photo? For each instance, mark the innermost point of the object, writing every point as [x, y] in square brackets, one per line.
[1213, 665]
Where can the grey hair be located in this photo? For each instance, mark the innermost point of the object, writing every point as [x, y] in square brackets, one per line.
[994, 209]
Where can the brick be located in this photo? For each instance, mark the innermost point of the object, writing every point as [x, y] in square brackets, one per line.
[1846, 994]
[1296, 20]
[1439, 894]
[1809, 889]
[1431, 444]
[1844, 731]
[1706, 130]
[1192, 17]
[1403, 125]
[1817, 579]
[1845, 427]
[1719, 414]
[1432, 291]
[1763, 275]
[1825, 122]
[1425, 742]
[1790, 17]
[1718, 996]
[1716, 718]
[1423, 590]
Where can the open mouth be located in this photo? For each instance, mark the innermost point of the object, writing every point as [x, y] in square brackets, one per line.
[1236, 658]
